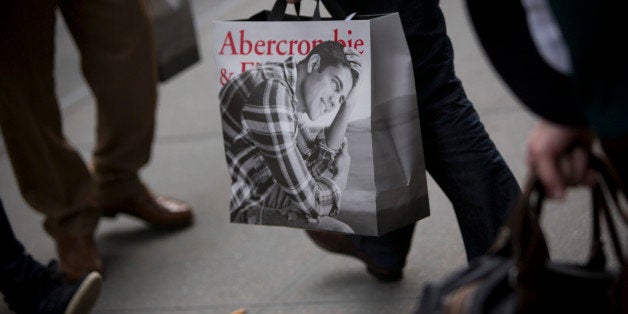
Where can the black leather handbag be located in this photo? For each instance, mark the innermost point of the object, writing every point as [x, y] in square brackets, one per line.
[517, 275]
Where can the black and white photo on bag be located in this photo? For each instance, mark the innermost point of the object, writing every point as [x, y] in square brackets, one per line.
[296, 105]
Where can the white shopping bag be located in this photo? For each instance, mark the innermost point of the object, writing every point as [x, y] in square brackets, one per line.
[279, 104]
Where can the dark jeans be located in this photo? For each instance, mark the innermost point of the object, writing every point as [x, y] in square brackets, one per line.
[12, 249]
[459, 154]
[17, 269]
[24, 282]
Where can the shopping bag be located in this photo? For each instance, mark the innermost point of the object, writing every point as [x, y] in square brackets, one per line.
[517, 275]
[175, 36]
[281, 109]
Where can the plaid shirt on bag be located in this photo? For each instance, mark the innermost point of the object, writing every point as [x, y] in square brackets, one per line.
[273, 159]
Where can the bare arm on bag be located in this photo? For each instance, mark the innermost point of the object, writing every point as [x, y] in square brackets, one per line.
[342, 162]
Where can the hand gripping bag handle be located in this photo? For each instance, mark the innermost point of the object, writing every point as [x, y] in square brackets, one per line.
[523, 238]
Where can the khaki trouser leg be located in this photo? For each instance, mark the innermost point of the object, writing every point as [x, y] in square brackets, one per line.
[117, 58]
[51, 175]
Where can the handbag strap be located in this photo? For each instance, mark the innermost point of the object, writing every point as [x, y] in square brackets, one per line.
[597, 258]
[297, 8]
[607, 194]
[519, 221]
[524, 239]
[529, 247]
[613, 185]
[603, 200]
[278, 12]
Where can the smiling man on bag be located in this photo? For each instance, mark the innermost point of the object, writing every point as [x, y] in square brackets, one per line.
[282, 172]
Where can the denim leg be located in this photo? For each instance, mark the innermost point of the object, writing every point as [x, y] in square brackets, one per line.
[12, 249]
[19, 272]
[459, 154]
[466, 165]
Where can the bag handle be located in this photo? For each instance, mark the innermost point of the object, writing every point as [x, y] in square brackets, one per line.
[334, 9]
[278, 11]
[529, 247]
[523, 237]
[613, 185]
[606, 195]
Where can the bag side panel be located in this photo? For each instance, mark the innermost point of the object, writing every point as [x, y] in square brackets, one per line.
[398, 160]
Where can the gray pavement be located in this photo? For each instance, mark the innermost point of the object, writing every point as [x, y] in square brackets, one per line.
[217, 267]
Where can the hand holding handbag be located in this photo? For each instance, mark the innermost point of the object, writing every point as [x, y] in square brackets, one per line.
[517, 274]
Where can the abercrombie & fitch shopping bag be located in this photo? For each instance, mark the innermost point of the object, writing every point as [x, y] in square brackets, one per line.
[320, 123]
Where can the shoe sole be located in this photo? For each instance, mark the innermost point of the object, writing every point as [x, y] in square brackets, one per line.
[86, 295]
[167, 226]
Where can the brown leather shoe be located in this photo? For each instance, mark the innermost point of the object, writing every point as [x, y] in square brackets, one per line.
[343, 244]
[78, 256]
[159, 211]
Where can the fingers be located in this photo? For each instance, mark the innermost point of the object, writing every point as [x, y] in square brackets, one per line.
[546, 167]
[579, 164]
[555, 160]
[351, 51]
[581, 173]
[344, 147]
[575, 168]
[343, 158]
[354, 58]
[541, 161]
[568, 169]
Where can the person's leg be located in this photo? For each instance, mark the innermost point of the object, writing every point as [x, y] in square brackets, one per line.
[118, 61]
[12, 249]
[51, 175]
[29, 287]
[17, 269]
[459, 154]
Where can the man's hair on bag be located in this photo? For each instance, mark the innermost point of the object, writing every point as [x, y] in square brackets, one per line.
[331, 53]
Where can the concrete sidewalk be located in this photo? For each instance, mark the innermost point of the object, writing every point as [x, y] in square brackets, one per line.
[217, 267]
